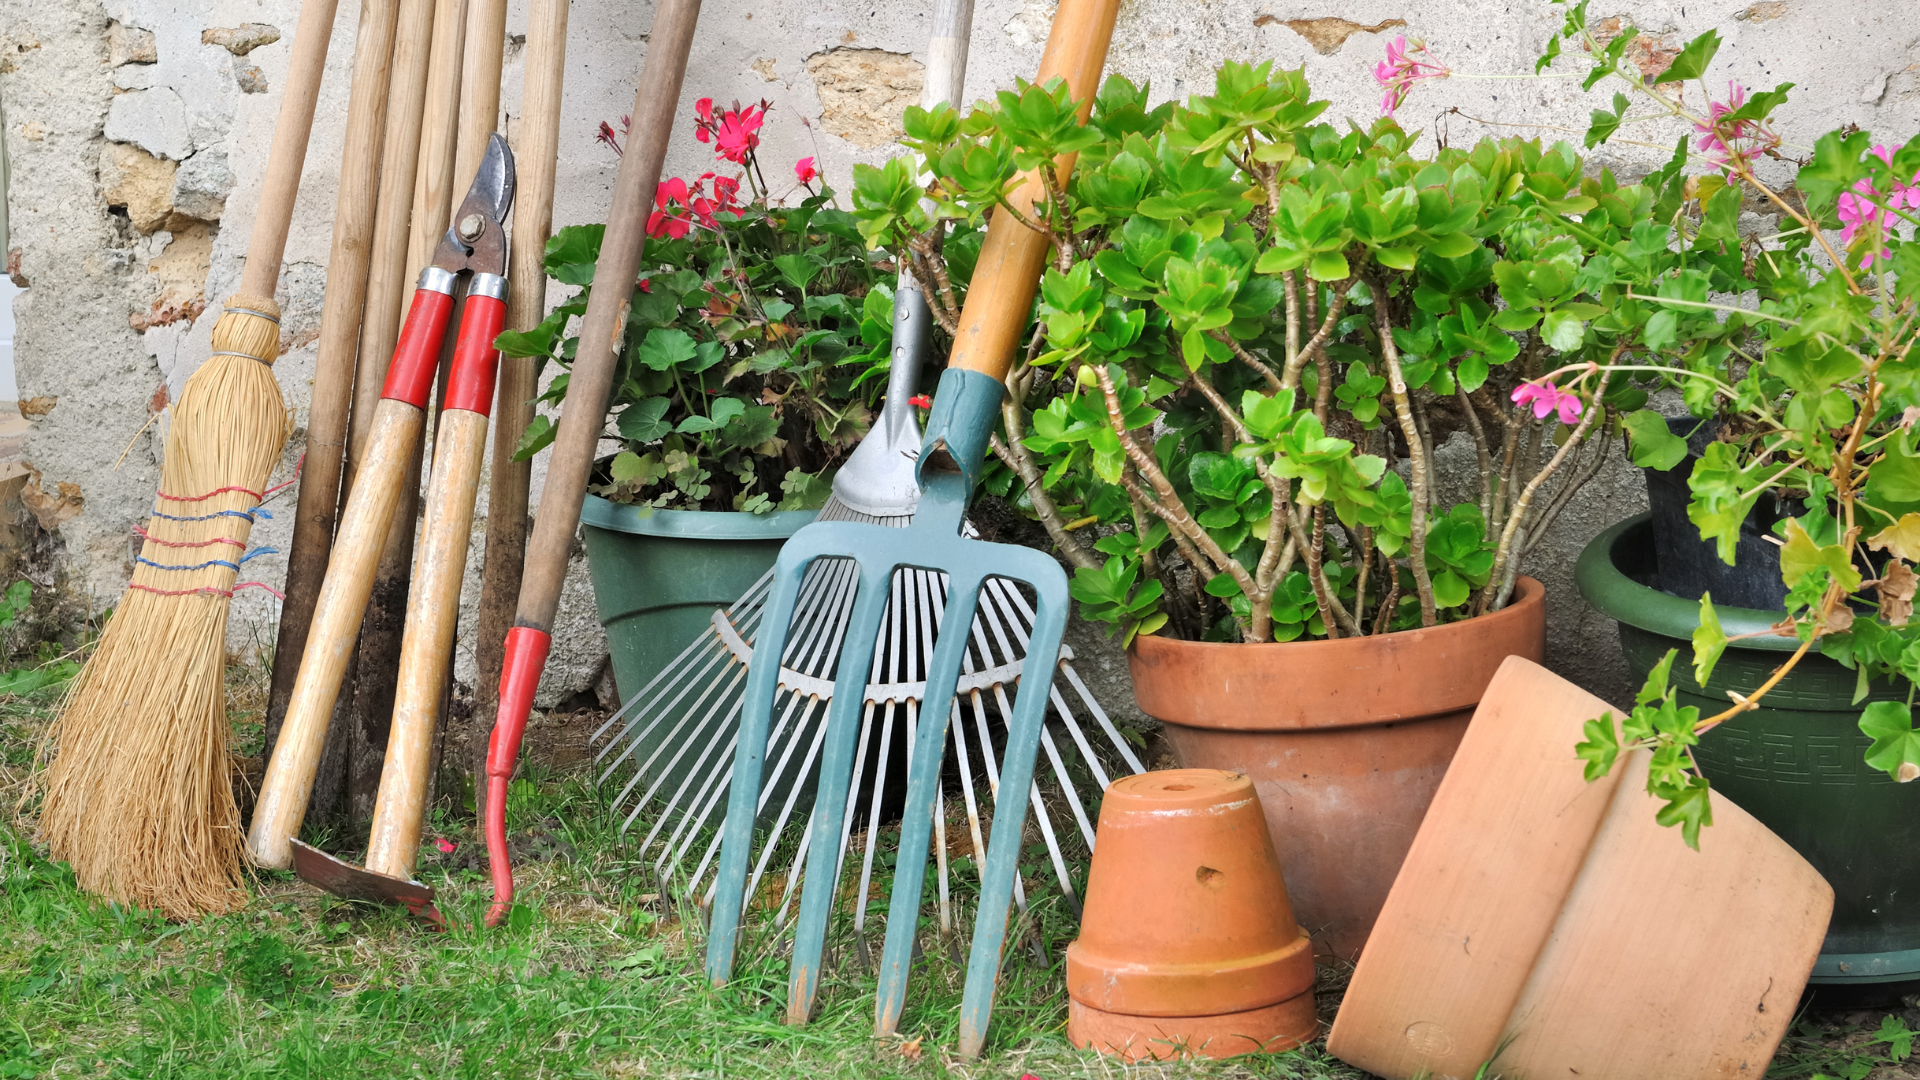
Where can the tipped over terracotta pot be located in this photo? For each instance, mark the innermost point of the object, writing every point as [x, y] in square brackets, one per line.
[1188, 945]
[1346, 740]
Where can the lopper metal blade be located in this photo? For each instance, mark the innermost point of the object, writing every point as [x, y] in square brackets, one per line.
[350, 882]
[477, 239]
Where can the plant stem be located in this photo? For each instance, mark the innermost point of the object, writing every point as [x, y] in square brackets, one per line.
[1417, 463]
[1503, 573]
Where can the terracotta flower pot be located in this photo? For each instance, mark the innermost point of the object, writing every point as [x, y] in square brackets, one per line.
[1551, 926]
[1188, 944]
[1347, 741]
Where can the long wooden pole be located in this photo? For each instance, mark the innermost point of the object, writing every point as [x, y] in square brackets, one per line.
[330, 411]
[273, 218]
[536, 158]
[585, 414]
[378, 662]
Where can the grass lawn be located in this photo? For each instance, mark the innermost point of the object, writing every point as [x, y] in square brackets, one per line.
[594, 977]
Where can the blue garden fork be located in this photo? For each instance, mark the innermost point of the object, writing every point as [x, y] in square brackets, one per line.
[965, 408]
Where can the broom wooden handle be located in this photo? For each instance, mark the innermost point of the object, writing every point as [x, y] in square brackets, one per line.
[433, 601]
[1013, 256]
[397, 424]
[274, 216]
[584, 415]
[331, 406]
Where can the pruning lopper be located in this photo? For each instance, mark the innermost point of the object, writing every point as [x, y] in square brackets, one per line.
[474, 246]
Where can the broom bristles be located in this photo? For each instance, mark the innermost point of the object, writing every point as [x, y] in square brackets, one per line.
[138, 796]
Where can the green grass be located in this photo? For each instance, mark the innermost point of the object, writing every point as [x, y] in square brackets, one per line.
[594, 977]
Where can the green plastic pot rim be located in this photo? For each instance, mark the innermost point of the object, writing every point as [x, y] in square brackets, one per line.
[1625, 600]
[1840, 969]
[693, 524]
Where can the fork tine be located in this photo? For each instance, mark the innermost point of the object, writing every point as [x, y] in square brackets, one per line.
[923, 777]
[1016, 776]
[763, 679]
[830, 798]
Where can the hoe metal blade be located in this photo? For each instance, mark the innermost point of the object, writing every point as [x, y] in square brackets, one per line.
[933, 542]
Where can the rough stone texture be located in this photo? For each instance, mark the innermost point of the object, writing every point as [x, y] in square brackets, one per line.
[864, 91]
[154, 120]
[132, 178]
[130, 45]
[94, 278]
[241, 40]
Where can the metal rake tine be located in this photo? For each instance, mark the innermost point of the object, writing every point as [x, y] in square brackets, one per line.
[846, 827]
[720, 694]
[696, 769]
[923, 776]
[793, 797]
[766, 789]
[1023, 737]
[1067, 789]
[672, 708]
[1041, 817]
[631, 738]
[763, 679]
[836, 767]
[787, 892]
[873, 812]
[1100, 715]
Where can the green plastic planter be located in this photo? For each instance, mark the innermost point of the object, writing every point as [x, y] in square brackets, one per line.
[658, 578]
[1794, 763]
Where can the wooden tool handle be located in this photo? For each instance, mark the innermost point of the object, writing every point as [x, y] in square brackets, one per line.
[538, 142]
[591, 381]
[330, 641]
[274, 215]
[1013, 255]
[331, 406]
[947, 54]
[433, 610]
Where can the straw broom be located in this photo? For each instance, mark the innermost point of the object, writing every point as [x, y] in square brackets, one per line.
[138, 796]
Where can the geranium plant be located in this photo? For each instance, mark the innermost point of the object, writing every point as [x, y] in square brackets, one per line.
[740, 382]
[1257, 331]
[1800, 342]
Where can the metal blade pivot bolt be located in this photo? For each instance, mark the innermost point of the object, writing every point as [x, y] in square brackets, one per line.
[471, 226]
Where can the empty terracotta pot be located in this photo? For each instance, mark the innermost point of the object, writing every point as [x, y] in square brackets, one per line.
[1346, 740]
[1188, 944]
[1551, 927]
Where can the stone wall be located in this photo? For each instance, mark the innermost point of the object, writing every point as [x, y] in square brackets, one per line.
[138, 131]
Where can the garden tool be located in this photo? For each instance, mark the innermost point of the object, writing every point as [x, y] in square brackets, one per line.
[475, 245]
[433, 602]
[139, 798]
[583, 417]
[677, 733]
[962, 420]
[331, 405]
[508, 480]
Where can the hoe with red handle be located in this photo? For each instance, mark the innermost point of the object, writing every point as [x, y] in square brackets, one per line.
[583, 418]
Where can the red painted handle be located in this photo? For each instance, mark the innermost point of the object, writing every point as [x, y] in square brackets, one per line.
[417, 357]
[519, 678]
[475, 360]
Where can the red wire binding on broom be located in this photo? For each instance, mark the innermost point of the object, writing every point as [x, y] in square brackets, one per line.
[290, 482]
[216, 491]
[145, 535]
[277, 594]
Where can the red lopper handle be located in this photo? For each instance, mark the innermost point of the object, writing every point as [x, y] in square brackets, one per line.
[519, 677]
[417, 357]
[475, 360]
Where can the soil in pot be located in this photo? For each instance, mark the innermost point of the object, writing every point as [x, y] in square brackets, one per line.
[1795, 763]
[1346, 740]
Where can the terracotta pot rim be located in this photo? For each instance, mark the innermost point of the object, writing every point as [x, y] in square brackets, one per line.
[1222, 986]
[1527, 592]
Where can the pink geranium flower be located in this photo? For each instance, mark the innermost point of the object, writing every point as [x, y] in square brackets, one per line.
[1547, 398]
[806, 172]
[1732, 144]
[1864, 206]
[446, 846]
[1405, 65]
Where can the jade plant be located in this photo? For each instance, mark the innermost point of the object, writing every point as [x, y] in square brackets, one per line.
[753, 330]
[1798, 341]
[1256, 333]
